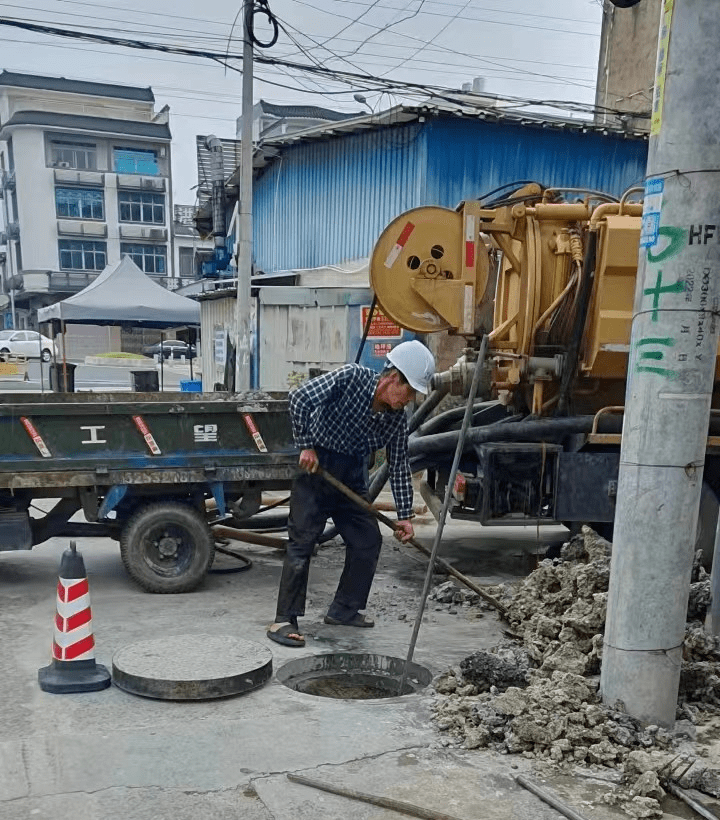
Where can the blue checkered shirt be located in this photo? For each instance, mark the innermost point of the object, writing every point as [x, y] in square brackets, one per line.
[334, 411]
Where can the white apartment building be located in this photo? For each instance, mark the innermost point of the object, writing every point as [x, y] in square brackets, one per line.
[85, 177]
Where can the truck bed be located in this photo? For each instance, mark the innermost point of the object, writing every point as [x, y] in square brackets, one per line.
[82, 439]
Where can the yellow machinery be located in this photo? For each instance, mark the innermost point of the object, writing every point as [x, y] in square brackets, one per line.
[552, 282]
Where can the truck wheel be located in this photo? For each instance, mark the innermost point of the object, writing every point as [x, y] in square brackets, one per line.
[167, 547]
[704, 535]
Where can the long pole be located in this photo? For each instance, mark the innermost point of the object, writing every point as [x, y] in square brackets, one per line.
[671, 367]
[467, 418]
[244, 249]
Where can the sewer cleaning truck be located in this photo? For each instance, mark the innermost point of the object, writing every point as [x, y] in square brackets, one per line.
[152, 472]
[547, 278]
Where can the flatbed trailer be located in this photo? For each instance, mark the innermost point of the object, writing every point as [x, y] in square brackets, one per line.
[142, 471]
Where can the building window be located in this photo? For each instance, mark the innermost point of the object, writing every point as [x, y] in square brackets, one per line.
[134, 161]
[79, 203]
[141, 207]
[76, 254]
[80, 155]
[186, 258]
[149, 258]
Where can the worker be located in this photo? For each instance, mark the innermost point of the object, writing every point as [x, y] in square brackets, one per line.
[338, 419]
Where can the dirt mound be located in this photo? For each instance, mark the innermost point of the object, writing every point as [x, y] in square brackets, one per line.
[540, 698]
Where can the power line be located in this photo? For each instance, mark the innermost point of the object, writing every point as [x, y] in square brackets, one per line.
[385, 28]
[445, 4]
[307, 52]
[336, 75]
[497, 60]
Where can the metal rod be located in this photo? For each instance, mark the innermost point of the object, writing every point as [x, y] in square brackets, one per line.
[250, 537]
[360, 501]
[446, 505]
[695, 805]
[384, 802]
[245, 212]
[548, 797]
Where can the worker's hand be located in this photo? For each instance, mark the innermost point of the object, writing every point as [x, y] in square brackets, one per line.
[405, 531]
[308, 461]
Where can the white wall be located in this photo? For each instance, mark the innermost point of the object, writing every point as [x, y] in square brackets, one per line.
[36, 201]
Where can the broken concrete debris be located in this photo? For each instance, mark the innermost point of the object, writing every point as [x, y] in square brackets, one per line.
[538, 696]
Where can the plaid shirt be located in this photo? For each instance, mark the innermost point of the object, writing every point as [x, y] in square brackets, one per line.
[334, 411]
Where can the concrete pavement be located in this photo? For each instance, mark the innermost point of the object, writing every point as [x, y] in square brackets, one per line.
[113, 755]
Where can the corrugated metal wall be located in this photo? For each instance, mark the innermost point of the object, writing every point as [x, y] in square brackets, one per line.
[326, 202]
[483, 156]
[218, 323]
[321, 203]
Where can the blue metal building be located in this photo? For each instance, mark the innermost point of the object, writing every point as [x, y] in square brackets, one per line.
[325, 194]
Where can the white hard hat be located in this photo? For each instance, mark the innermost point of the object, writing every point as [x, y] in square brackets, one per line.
[415, 362]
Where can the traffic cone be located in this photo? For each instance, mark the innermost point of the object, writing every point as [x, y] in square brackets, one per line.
[73, 667]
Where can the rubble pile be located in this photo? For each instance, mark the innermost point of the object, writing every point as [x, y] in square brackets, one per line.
[540, 698]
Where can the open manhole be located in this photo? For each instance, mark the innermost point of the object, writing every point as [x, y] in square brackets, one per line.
[353, 676]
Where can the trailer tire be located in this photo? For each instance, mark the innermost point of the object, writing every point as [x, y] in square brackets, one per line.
[167, 547]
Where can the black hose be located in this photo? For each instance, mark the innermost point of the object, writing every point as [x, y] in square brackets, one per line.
[366, 329]
[482, 410]
[585, 289]
[545, 430]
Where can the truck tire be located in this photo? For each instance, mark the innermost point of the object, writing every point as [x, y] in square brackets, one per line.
[167, 547]
[704, 535]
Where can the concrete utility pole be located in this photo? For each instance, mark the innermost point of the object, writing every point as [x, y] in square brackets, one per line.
[244, 249]
[670, 371]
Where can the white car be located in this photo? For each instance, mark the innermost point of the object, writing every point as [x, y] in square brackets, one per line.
[28, 343]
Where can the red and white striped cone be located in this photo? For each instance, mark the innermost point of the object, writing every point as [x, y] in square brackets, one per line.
[73, 667]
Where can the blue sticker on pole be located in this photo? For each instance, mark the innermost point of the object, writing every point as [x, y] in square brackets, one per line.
[652, 207]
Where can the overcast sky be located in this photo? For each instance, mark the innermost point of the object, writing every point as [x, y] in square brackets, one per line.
[538, 49]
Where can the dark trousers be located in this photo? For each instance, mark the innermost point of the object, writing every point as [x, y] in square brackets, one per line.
[313, 501]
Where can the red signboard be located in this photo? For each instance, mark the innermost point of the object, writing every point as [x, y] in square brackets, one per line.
[381, 327]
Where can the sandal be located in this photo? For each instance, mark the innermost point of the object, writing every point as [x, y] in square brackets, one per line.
[357, 620]
[283, 633]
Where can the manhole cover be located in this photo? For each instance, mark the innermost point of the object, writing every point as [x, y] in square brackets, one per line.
[192, 667]
[353, 676]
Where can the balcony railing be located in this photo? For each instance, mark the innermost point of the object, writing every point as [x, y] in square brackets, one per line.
[62, 282]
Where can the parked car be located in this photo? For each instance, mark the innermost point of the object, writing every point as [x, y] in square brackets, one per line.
[27, 343]
[171, 347]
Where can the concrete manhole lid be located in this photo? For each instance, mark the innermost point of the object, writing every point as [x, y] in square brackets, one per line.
[192, 667]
